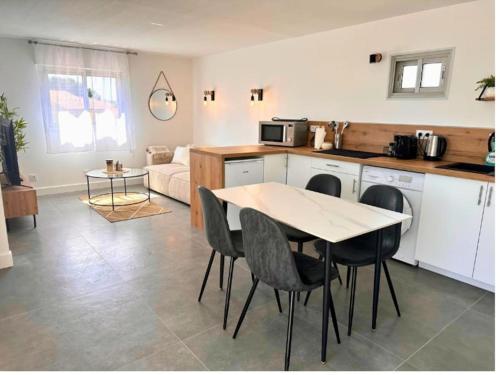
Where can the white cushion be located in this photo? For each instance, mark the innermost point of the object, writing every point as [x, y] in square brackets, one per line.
[181, 155]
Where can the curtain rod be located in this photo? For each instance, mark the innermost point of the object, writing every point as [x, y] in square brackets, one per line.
[89, 48]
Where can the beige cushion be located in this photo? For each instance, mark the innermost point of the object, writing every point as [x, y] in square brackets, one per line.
[181, 155]
[161, 157]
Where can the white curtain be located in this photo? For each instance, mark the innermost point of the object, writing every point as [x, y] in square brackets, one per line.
[85, 99]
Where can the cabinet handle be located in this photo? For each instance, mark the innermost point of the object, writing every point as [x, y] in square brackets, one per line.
[245, 171]
[489, 197]
[480, 195]
[332, 165]
[354, 185]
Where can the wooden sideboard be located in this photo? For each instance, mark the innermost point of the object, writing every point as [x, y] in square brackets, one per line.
[20, 201]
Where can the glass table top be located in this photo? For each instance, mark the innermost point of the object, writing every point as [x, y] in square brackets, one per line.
[126, 173]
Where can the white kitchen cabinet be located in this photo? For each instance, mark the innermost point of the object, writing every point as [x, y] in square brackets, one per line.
[348, 173]
[450, 223]
[275, 168]
[484, 268]
[237, 173]
[298, 171]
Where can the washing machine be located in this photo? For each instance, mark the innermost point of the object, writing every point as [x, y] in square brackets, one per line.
[411, 185]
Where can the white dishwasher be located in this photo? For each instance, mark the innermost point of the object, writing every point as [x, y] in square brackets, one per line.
[411, 185]
[240, 172]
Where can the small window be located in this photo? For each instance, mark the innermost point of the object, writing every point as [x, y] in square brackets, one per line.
[420, 75]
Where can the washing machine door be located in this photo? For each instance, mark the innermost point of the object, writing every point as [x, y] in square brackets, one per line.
[407, 209]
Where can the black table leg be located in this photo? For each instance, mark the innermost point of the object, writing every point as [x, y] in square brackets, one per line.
[34, 221]
[125, 185]
[221, 271]
[88, 187]
[326, 303]
[112, 195]
[376, 279]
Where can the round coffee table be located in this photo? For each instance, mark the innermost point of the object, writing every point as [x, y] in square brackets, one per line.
[128, 173]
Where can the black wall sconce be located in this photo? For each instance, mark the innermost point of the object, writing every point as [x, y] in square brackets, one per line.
[256, 95]
[208, 95]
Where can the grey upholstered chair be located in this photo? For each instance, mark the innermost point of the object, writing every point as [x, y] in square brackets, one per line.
[320, 183]
[221, 239]
[361, 251]
[271, 261]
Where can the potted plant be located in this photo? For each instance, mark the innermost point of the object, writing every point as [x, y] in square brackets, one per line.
[487, 87]
[18, 122]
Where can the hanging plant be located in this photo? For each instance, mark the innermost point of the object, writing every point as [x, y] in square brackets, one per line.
[18, 122]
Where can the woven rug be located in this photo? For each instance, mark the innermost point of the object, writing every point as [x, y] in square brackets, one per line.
[122, 213]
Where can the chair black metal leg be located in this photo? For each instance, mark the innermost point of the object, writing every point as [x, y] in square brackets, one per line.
[206, 275]
[221, 275]
[391, 287]
[228, 291]
[245, 308]
[348, 277]
[278, 300]
[334, 319]
[307, 298]
[337, 269]
[289, 331]
[300, 249]
[351, 302]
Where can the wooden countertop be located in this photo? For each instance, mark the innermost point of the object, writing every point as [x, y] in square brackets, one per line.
[414, 165]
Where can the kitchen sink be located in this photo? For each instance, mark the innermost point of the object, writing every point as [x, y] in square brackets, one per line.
[468, 167]
[351, 153]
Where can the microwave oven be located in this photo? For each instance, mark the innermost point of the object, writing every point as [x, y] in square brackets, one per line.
[283, 133]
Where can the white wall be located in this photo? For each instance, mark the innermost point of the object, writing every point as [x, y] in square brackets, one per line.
[18, 81]
[326, 76]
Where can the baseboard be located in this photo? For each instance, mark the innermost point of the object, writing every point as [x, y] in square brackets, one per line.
[458, 277]
[6, 260]
[58, 189]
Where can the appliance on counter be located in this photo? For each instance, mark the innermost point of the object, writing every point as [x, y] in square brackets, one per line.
[411, 185]
[435, 147]
[290, 133]
[405, 146]
[490, 158]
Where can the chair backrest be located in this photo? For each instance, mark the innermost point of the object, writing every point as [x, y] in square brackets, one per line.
[325, 184]
[216, 226]
[268, 252]
[390, 198]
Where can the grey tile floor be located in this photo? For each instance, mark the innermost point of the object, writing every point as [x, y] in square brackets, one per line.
[85, 294]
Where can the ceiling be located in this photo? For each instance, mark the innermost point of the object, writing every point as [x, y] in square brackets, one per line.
[192, 27]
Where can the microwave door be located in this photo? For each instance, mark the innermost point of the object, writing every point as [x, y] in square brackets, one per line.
[273, 133]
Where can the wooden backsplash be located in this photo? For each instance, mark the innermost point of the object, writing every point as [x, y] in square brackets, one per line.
[464, 144]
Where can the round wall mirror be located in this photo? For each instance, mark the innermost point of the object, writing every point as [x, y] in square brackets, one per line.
[161, 104]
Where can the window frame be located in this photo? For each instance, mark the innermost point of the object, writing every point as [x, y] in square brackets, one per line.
[445, 57]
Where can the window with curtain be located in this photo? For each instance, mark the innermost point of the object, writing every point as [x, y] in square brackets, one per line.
[85, 99]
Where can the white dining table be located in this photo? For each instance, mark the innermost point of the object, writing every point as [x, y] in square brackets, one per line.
[330, 218]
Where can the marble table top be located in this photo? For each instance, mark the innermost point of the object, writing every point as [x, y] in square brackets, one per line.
[321, 215]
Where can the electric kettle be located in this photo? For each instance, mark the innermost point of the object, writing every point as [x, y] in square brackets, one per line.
[435, 147]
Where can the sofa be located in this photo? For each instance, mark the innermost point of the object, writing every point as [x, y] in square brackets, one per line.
[169, 172]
